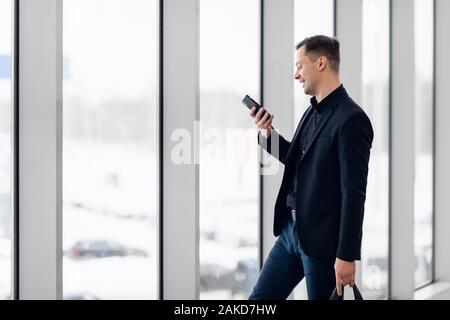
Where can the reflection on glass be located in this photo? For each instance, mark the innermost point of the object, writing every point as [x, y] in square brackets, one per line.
[110, 102]
[229, 69]
[306, 25]
[5, 149]
[375, 101]
[423, 178]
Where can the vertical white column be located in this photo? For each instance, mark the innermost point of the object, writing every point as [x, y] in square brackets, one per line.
[442, 183]
[40, 149]
[349, 34]
[402, 179]
[278, 90]
[180, 181]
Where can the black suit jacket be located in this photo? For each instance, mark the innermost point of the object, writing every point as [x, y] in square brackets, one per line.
[331, 179]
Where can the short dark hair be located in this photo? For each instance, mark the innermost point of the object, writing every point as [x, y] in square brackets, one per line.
[322, 46]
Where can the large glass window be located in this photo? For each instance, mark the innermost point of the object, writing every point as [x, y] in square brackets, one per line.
[109, 159]
[423, 177]
[5, 148]
[375, 101]
[306, 25]
[229, 189]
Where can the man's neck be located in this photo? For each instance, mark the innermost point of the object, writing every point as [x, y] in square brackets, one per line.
[326, 89]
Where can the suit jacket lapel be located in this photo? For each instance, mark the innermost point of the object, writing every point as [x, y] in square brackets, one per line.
[323, 120]
[295, 139]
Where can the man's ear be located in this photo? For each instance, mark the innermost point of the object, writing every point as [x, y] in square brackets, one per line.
[322, 62]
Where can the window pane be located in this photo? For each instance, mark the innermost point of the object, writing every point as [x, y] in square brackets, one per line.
[229, 189]
[110, 160]
[423, 179]
[306, 25]
[6, 214]
[375, 101]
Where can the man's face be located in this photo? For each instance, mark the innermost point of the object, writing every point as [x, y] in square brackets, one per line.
[306, 72]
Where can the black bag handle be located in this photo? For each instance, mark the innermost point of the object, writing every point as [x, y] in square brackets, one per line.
[356, 292]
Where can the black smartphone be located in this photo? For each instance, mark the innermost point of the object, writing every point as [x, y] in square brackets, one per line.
[250, 103]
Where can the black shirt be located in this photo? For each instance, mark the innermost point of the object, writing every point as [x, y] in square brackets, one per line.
[306, 132]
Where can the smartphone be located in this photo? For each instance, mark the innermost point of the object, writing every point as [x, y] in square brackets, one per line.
[250, 103]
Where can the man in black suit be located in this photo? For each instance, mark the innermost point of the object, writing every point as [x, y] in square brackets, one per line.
[320, 206]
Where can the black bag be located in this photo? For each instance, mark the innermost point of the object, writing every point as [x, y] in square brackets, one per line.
[356, 292]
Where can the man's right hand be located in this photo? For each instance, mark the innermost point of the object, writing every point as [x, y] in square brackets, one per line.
[263, 119]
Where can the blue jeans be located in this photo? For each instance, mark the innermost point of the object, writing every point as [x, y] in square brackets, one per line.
[287, 264]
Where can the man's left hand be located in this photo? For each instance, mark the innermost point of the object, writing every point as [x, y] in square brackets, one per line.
[345, 274]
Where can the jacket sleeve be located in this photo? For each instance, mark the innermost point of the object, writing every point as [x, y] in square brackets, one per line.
[355, 142]
[275, 145]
